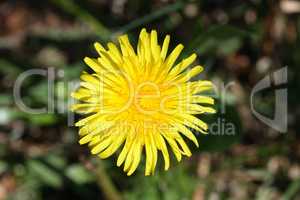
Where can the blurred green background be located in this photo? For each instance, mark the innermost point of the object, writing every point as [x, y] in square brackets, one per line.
[236, 41]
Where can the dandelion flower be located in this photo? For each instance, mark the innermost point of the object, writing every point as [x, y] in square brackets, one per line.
[141, 102]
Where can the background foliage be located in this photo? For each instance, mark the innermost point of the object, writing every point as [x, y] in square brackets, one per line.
[240, 41]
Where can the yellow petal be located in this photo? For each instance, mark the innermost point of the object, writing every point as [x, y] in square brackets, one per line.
[136, 153]
[154, 152]
[173, 56]
[99, 48]
[126, 48]
[120, 137]
[183, 145]
[186, 132]
[92, 63]
[154, 47]
[86, 139]
[180, 67]
[164, 150]
[149, 156]
[190, 74]
[174, 147]
[102, 145]
[125, 149]
[115, 53]
[165, 46]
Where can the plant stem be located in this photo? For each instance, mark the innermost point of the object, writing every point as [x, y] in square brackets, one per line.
[105, 183]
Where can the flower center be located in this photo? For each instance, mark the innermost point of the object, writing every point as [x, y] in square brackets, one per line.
[147, 98]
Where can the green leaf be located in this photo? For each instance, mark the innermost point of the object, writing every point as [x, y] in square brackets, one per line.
[163, 185]
[292, 190]
[42, 119]
[79, 174]
[224, 39]
[8, 68]
[152, 16]
[45, 173]
[3, 166]
[39, 92]
[5, 99]
[229, 46]
[73, 71]
[57, 161]
[73, 8]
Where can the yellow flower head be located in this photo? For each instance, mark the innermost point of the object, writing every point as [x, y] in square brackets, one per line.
[141, 100]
